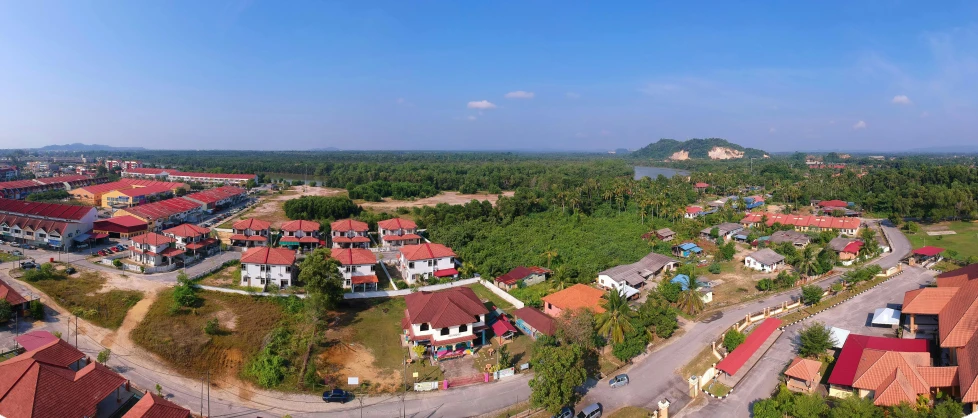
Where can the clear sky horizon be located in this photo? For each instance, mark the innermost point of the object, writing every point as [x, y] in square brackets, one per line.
[780, 76]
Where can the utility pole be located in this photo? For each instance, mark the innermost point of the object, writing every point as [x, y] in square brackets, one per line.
[76, 329]
[202, 395]
[208, 392]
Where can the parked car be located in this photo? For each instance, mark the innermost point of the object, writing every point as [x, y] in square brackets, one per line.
[618, 381]
[565, 412]
[70, 270]
[336, 395]
[16, 252]
[591, 411]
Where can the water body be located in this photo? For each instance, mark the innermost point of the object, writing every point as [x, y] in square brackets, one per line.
[653, 172]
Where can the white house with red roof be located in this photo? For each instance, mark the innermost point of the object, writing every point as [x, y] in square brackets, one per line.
[349, 233]
[266, 266]
[426, 260]
[692, 212]
[153, 249]
[397, 232]
[449, 322]
[300, 235]
[193, 238]
[358, 266]
[251, 232]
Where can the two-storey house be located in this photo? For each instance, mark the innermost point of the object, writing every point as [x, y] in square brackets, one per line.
[268, 267]
[300, 235]
[250, 232]
[397, 232]
[348, 233]
[449, 322]
[153, 249]
[358, 267]
[192, 238]
[426, 260]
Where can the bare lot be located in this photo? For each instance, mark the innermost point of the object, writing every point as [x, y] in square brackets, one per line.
[452, 198]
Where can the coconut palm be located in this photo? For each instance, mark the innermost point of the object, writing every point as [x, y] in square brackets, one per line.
[550, 255]
[690, 301]
[614, 323]
[808, 261]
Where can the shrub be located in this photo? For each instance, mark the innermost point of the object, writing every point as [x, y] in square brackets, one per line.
[104, 355]
[732, 339]
[631, 347]
[211, 327]
[765, 284]
[6, 311]
[811, 294]
[670, 291]
[37, 309]
[117, 263]
[714, 268]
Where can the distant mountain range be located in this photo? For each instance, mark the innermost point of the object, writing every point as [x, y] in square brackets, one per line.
[711, 148]
[87, 147]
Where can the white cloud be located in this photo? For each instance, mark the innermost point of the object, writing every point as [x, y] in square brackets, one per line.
[901, 100]
[472, 117]
[482, 104]
[859, 125]
[520, 94]
[572, 95]
[772, 130]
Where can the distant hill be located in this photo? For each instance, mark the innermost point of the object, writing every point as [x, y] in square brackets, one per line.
[712, 148]
[87, 147]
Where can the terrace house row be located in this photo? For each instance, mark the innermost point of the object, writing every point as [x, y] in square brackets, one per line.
[176, 175]
[165, 213]
[805, 223]
[20, 189]
[47, 224]
[106, 195]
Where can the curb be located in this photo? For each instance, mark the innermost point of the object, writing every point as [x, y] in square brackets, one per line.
[785, 327]
[719, 397]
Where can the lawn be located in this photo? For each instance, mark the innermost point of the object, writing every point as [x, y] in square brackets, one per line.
[5, 257]
[229, 276]
[520, 349]
[700, 364]
[246, 324]
[80, 295]
[718, 389]
[631, 412]
[485, 294]
[963, 241]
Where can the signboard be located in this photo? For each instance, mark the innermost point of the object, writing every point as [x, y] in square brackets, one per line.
[353, 381]
[425, 386]
[505, 373]
[55, 242]
[525, 366]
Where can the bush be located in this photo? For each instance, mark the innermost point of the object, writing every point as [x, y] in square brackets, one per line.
[714, 268]
[37, 309]
[212, 327]
[811, 294]
[814, 340]
[670, 291]
[6, 311]
[268, 369]
[631, 347]
[765, 284]
[117, 263]
[732, 339]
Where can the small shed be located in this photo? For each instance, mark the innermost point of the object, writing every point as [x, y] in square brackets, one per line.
[838, 336]
[888, 317]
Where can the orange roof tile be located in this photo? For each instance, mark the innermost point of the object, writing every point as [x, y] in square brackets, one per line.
[397, 223]
[344, 225]
[939, 377]
[577, 296]
[896, 389]
[252, 224]
[152, 406]
[958, 321]
[300, 225]
[876, 366]
[927, 301]
[266, 255]
[968, 371]
[152, 238]
[804, 369]
[957, 278]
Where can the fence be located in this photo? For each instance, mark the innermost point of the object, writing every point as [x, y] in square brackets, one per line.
[247, 293]
[518, 304]
[158, 269]
[403, 292]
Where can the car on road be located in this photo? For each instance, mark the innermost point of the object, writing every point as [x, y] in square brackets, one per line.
[565, 412]
[336, 395]
[618, 381]
[591, 411]
[16, 252]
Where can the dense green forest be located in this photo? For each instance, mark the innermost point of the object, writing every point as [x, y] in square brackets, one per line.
[697, 148]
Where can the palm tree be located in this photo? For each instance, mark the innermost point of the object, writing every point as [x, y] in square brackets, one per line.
[550, 254]
[614, 323]
[559, 278]
[808, 261]
[690, 301]
[467, 269]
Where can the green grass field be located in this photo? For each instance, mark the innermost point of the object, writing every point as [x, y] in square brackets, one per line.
[483, 293]
[78, 294]
[965, 241]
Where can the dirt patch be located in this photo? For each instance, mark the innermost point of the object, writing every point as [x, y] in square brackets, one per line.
[270, 209]
[451, 198]
[344, 358]
[680, 155]
[133, 318]
[228, 321]
[724, 153]
[118, 281]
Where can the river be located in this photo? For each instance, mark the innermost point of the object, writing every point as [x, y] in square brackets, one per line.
[653, 172]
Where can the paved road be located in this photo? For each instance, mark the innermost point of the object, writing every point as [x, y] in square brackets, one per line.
[655, 377]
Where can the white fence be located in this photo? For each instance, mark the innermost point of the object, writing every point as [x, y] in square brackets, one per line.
[247, 293]
[518, 304]
[403, 292]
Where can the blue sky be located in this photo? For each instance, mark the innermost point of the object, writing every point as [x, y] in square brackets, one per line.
[488, 75]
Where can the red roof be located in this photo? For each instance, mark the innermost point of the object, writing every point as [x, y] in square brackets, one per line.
[34, 386]
[152, 406]
[958, 277]
[536, 319]
[701, 185]
[300, 225]
[174, 173]
[126, 221]
[397, 223]
[576, 297]
[824, 222]
[170, 252]
[11, 295]
[45, 210]
[928, 251]
[853, 247]
[833, 204]
[145, 191]
[266, 255]
[187, 231]
[153, 239]
[146, 170]
[122, 224]
[502, 326]
[446, 273]
[693, 209]
[147, 183]
[426, 251]
[204, 243]
[735, 360]
[350, 239]
[162, 209]
[252, 224]
[514, 275]
[445, 308]
[405, 237]
[346, 225]
[364, 279]
[353, 256]
[241, 237]
[211, 196]
[37, 339]
[62, 179]
[852, 351]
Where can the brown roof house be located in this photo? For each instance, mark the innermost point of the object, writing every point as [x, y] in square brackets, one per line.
[629, 277]
[803, 375]
[533, 322]
[765, 260]
[578, 296]
[798, 239]
[449, 322]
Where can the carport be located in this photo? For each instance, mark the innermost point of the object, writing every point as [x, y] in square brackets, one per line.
[887, 317]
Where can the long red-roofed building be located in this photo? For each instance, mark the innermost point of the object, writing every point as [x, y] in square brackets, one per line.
[187, 177]
[426, 260]
[733, 362]
[267, 266]
[448, 322]
[47, 224]
[20, 189]
[217, 198]
[165, 213]
[848, 226]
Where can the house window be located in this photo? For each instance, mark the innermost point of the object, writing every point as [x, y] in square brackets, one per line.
[411, 265]
[444, 331]
[424, 327]
[463, 328]
[288, 269]
[478, 318]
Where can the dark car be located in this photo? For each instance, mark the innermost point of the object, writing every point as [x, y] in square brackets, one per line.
[336, 395]
[565, 412]
[70, 270]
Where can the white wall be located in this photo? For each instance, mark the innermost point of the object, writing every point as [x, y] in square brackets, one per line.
[453, 332]
[275, 275]
[356, 270]
[751, 263]
[422, 268]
